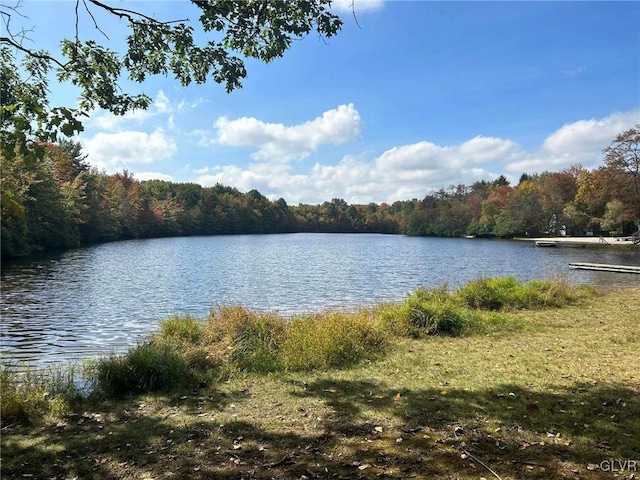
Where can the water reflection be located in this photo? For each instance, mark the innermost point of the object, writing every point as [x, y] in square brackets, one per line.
[100, 299]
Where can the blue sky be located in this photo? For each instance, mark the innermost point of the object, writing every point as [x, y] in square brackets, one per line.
[420, 96]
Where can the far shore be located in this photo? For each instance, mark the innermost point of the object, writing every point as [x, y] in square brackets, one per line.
[579, 241]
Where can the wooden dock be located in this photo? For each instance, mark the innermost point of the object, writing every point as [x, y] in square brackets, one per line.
[601, 267]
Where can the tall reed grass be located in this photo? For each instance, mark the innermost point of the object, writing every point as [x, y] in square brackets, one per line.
[27, 393]
[252, 340]
[332, 340]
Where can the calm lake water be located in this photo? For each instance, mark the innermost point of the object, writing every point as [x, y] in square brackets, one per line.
[93, 301]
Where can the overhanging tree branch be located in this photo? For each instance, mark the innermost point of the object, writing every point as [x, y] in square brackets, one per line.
[133, 15]
[31, 53]
[95, 23]
[261, 29]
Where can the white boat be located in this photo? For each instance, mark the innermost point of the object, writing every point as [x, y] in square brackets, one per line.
[546, 243]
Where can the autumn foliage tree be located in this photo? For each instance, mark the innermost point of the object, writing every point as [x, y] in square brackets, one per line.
[212, 48]
[60, 202]
[622, 161]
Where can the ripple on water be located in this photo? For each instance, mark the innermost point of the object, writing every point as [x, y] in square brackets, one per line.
[96, 300]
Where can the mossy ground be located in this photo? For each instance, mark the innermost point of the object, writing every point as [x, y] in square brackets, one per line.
[552, 396]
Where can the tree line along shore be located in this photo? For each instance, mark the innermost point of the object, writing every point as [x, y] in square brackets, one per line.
[60, 202]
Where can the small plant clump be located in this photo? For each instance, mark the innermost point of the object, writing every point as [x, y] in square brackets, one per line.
[147, 367]
[510, 293]
[435, 312]
[26, 393]
[332, 340]
[252, 339]
[182, 329]
[233, 340]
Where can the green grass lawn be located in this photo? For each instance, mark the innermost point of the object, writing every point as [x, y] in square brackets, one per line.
[552, 393]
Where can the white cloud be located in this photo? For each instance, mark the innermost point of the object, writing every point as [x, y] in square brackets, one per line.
[580, 142]
[275, 141]
[426, 157]
[162, 103]
[203, 138]
[400, 173]
[359, 6]
[116, 151]
[480, 150]
[413, 170]
[201, 171]
[354, 179]
[108, 121]
[184, 105]
[589, 135]
[424, 166]
[105, 120]
[273, 181]
[153, 176]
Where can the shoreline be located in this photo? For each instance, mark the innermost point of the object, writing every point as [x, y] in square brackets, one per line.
[581, 241]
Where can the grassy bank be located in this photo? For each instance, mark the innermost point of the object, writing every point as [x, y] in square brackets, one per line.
[528, 381]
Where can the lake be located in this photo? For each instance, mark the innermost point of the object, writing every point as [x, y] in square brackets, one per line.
[100, 299]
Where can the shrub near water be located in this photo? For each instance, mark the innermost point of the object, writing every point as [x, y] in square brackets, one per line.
[331, 340]
[188, 351]
[148, 367]
[511, 293]
[252, 340]
[182, 329]
[262, 343]
[188, 336]
[26, 393]
[429, 312]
